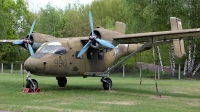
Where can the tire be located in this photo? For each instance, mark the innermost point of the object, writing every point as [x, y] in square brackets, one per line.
[62, 81]
[28, 84]
[108, 84]
[31, 86]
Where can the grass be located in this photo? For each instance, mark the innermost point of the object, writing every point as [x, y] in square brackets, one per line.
[87, 95]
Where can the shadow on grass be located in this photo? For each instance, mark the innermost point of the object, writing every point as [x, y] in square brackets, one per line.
[117, 90]
[151, 92]
[72, 88]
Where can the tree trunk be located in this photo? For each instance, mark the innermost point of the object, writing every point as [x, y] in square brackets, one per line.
[193, 55]
[197, 68]
[172, 62]
[189, 4]
[185, 68]
[195, 41]
[189, 59]
[161, 64]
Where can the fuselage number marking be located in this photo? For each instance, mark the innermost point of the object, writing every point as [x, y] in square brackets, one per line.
[60, 63]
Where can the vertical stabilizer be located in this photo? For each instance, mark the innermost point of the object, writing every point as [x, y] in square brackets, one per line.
[120, 27]
[179, 49]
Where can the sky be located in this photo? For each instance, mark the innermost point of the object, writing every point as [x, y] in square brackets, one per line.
[34, 5]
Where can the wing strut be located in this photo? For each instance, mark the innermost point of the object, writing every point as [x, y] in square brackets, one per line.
[127, 57]
[153, 49]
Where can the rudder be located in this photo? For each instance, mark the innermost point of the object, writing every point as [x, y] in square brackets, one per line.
[179, 49]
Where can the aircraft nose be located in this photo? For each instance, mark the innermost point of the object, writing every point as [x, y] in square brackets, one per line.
[34, 65]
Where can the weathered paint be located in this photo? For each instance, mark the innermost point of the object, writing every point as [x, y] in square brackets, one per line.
[68, 65]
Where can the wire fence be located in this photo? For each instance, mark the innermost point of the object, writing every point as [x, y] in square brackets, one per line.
[12, 68]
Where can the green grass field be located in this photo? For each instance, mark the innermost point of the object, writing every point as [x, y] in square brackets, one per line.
[87, 95]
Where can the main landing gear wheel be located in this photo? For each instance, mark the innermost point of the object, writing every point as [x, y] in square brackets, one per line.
[32, 84]
[107, 83]
[62, 81]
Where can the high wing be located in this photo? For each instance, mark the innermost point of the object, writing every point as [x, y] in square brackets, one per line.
[6, 41]
[155, 36]
[151, 39]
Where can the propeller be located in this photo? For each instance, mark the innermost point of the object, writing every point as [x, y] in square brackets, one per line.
[84, 49]
[91, 23]
[27, 41]
[18, 42]
[93, 37]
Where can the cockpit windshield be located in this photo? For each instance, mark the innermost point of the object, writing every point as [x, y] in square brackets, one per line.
[54, 47]
[59, 50]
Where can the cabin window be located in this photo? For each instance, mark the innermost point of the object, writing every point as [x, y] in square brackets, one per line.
[77, 55]
[59, 50]
[90, 55]
[100, 55]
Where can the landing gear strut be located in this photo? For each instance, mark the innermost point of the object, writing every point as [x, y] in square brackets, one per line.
[31, 83]
[62, 81]
[107, 83]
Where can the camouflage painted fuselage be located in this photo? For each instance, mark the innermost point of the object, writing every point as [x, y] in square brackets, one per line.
[67, 64]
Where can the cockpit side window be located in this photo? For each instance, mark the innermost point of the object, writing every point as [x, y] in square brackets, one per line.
[59, 50]
[40, 48]
[55, 49]
[47, 49]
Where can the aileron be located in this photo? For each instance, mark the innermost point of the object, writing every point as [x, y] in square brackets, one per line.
[156, 36]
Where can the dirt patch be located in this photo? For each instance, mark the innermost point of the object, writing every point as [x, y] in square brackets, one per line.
[152, 67]
[158, 97]
[145, 66]
[120, 103]
[5, 111]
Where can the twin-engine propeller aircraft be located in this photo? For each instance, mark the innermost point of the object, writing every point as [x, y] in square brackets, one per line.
[83, 56]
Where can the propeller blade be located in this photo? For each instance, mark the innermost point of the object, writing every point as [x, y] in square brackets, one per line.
[91, 22]
[18, 42]
[32, 27]
[84, 49]
[30, 49]
[104, 43]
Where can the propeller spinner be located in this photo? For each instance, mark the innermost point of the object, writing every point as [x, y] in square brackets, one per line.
[28, 40]
[93, 37]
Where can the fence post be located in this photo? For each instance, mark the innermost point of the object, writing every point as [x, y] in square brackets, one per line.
[11, 68]
[21, 67]
[179, 72]
[1, 67]
[123, 70]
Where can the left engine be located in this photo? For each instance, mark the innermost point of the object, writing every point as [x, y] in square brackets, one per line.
[36, 40]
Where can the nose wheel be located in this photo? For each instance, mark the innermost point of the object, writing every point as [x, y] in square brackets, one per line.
[107, 83]
[31, 83]
[62, 81]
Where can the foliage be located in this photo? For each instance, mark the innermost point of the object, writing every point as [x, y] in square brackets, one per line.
[50, 20]
[77, 22]
[139, 16]
[106, 17]
[14, 24]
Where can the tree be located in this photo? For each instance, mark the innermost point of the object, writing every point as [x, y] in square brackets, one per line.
[49, 20]
[77, 21]
[13, 25]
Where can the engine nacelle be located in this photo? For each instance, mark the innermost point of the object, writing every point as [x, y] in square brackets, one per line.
[100, 47]
[105, 34]
[38, 39]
